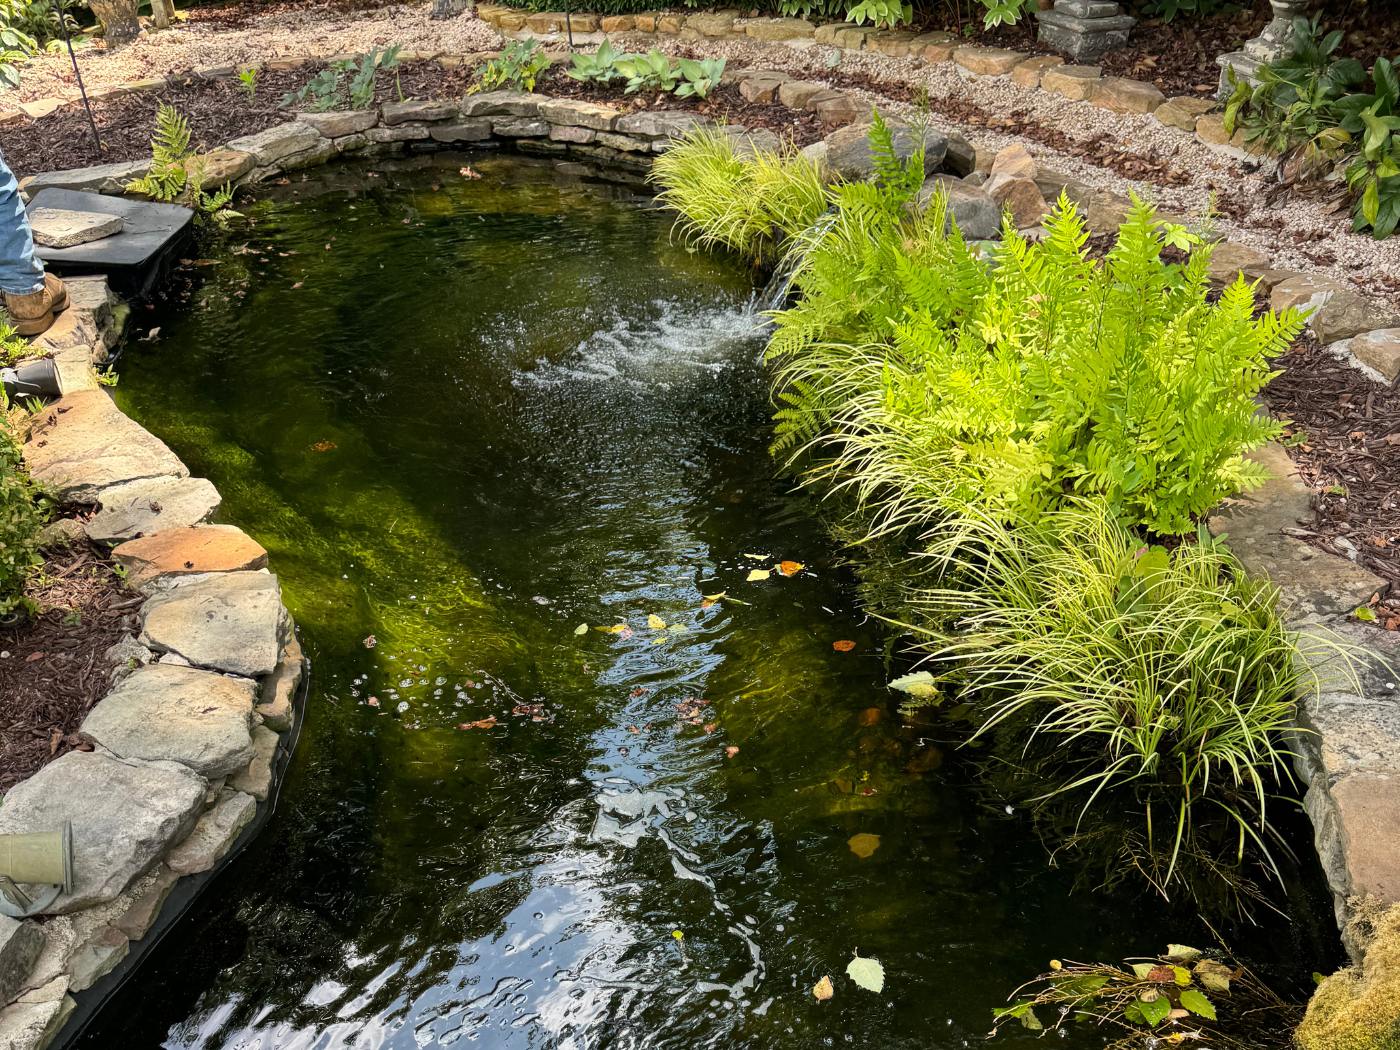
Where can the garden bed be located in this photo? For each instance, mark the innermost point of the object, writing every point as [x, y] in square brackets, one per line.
[56, 665]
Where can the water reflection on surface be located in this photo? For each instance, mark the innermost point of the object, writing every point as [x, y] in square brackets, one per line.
[544, 414]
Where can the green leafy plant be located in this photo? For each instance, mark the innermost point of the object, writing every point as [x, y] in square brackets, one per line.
[13, 346]
[176, 172]
[1312, 108]
[698, 78]
[517, 68]
[15, 48]
[882, 14]
[1179, 997]
[248, 81]
[597, 68]
[1168, 10]
[327, 90]
[652, 71]
[749, 205]
[21, 518]
[1005, 12]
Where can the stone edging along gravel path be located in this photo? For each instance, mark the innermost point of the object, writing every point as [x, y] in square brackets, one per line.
[166, 797]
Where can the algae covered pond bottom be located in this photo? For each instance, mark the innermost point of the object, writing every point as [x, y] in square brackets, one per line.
[503, 437]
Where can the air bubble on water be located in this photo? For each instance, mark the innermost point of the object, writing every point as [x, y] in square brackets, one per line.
[439, 680]
[405, 683]
[437, 692]
[403, 706]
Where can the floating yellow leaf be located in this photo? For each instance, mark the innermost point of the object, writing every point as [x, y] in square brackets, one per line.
[863, 844]
[660, 639]
[656, 623]
[823, 989]
[757, 557]
[617, 628]
[790, 568]
[758, 574]
[707, 600]
[581, 629]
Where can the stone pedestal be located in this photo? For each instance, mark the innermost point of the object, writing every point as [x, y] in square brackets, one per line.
[1084, 30]
[1274, 42]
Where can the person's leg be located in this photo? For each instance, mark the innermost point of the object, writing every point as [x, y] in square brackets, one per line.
[20, 271]
[31, 297]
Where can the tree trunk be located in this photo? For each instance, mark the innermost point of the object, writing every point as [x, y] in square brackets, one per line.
[449, 8]
[162, 13]
[118, 18]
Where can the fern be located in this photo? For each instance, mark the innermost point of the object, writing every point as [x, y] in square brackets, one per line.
[166, 178]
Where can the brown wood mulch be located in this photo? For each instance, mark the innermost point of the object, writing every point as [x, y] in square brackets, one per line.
[1344, 438]
[219, 110]
[54, 665]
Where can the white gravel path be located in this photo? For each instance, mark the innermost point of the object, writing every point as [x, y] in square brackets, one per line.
[282, 33]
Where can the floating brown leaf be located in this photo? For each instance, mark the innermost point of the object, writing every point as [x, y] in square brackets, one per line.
[863, 844]
[823, 989]
[844, 645]
[480, 723]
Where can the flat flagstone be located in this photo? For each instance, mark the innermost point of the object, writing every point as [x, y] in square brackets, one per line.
[187, 552]
[151, 505]
[83, 444]
[197, 718]
[63, 227]
[125, 815]
[256, 780]
[231, 621]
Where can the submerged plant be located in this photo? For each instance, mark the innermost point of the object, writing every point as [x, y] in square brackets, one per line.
[751, 205]
[1181, 997]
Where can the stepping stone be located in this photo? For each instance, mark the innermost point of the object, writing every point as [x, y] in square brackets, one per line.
[83, 444]
[63, 227]
[178, 714]
[152, 505]
[125, 815]
[231, 621]
[188, 552]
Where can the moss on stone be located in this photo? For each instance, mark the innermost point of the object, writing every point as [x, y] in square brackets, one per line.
[1358, 1008]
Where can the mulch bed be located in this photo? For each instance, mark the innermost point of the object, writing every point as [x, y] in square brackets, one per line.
[219, 110]
[1344, 438]
[53, 666]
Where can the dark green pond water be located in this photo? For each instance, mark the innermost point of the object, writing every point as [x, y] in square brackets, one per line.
[467, 417]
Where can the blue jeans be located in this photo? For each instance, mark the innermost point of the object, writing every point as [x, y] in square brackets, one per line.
[20, 271]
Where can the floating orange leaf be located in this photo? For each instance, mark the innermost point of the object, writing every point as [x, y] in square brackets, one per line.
[480, 723]
[790, 568]
[823, 989]
[323, 446]
[730, 751]
[844, 645]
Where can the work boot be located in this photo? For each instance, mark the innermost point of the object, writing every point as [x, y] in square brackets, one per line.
[33, 312]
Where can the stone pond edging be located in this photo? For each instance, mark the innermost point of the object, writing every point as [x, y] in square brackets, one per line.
[1349, 744]
[189, 744]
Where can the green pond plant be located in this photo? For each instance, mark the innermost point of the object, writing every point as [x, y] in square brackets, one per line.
[1043, 433]
[21, 518]
[1183, 997]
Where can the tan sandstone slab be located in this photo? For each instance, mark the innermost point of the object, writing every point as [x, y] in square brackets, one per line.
[1028, 73]
[83, 444]
[66, 228]
[1337, 311]
[186, 552]
[1228, 260]
[1182, 111]
[1073, 82]
[1123, 95]
[1368, 810]
[1379, 350]
[988, 61]
[228, 621]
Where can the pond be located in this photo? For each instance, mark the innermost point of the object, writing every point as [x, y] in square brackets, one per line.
[469, 417]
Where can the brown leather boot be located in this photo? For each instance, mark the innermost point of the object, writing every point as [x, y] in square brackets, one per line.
[32, 314]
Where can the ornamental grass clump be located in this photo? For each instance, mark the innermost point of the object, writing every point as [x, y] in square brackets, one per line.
[1147, 689]
[751, 204]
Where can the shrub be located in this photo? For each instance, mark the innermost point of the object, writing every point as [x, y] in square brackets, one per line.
[927, 382]
[1148, 684]
[326, 90]
[1317, 109]
[20, 521]
[749, 205]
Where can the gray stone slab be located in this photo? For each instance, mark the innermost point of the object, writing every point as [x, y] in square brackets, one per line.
[162, 713]
[977, 215]
[139, 508]
[848, 153]
[65, 228]
[231, 621]
[125, 815]
[20, 944]
[147, 227]
[256, 780]
[274, 144]
[82, 445]
[277, 691]
[33, 1020]
[99, 178]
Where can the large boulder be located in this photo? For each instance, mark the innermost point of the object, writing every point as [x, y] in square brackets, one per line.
[977, 215]
[848, 155]
[228, 621]
[1337, 311]
[162, 712]
[82, 444]
[125, 815]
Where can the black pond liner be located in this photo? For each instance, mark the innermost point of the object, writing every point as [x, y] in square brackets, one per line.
[188, 888]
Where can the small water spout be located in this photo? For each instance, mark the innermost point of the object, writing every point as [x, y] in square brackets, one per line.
[775, 293]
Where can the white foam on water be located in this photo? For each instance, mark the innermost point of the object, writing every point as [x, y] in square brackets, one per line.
[671, 343]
